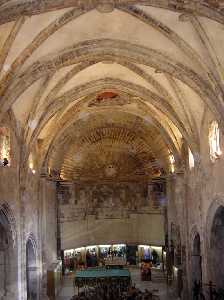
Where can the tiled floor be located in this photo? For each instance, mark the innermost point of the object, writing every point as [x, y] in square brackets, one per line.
[158, 283]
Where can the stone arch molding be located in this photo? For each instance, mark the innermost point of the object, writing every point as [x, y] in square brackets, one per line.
[70, 140]
[13, 10]
[61, 103]
[67, 126]
[95, 86]
[10, 218]
[32, 277]
[216, 203]
[193, 233]
[107, 49]
[31, 238]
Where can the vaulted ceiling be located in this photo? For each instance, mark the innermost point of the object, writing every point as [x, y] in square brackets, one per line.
[107, 90]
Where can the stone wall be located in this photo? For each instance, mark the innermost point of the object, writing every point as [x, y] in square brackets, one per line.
[137, 229]
[27, 204]
[111, 213]
[193, 199]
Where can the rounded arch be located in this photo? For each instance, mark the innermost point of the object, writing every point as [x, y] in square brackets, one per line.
[215, 241]
[196, 257]
[92, 89]
[168, 141]
[217, 202]
[107, 49]
[201, 9]
[193, 234]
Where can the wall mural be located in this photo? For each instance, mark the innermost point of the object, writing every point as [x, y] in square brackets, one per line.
[115, 200]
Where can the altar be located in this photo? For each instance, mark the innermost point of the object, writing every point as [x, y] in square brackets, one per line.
[98, 276]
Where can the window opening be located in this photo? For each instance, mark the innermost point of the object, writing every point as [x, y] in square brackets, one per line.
[172, 162]
[214, 141]
[191, 159]
[5, 146]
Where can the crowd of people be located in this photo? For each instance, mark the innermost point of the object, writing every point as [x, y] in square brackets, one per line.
[114, 292]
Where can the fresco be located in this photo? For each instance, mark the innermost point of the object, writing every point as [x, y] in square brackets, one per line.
[115, 200]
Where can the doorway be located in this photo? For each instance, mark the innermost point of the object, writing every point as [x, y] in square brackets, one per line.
[31, 270]
[196, 260]
[217, 248]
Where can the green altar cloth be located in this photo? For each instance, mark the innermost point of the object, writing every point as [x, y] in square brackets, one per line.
[92, 277]
[102, 273]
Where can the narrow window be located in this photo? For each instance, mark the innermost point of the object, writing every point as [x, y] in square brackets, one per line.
[5, 146]
[191, 159]
[214, 141]
[172, 162]
[31, 163]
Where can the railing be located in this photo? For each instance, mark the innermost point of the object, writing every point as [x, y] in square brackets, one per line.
[211, 293]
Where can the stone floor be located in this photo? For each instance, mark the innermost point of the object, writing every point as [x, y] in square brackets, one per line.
[158, 283]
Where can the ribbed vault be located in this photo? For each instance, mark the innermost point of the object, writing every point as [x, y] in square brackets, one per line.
[110, 145]
[98, 84]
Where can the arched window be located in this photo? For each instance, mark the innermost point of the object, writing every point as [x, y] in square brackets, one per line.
[190, 159]
[31, 162]
[172, 162]
[214, 141]
[4, 145]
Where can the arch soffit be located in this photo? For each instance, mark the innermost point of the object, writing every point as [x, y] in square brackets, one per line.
[215, 205]
[193, 233]
[50, 99]
[56, 138]
[75, 13]
[152, 119]
[9, 215]
[134, 11]
[169, 33]
[69, 141]
[32, 240]
[112, 49]
[125, 63]
[69, 16]
[11, 12]
[92, 87]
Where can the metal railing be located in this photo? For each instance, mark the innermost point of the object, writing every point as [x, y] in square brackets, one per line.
[208, 292]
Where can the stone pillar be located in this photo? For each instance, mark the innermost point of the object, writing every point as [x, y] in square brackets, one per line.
[47, 230]
[42, 239]
[182, 214]
[22, 245]
[177, 213]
